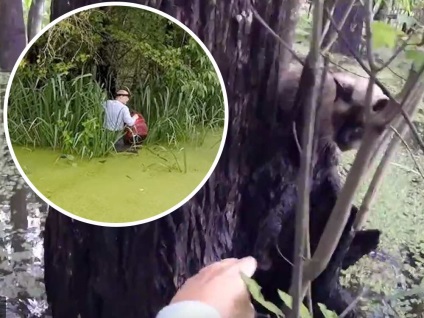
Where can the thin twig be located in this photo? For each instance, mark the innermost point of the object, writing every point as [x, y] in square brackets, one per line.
[309, 291]
[282, 255]
[396, 74]
[346, 70]
[333, 36]
[279, 39]
[395, 55]
[368, 19]
[353, 304]
[327, 23]
[296, 139]
[309, 106]
[420, 169]
[407, 169]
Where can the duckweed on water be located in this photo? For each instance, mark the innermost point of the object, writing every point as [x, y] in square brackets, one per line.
[120, 187]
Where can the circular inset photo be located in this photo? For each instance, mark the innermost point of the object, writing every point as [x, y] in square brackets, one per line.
[116, 114]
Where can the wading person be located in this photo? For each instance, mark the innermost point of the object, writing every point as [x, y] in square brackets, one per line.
[117, 115]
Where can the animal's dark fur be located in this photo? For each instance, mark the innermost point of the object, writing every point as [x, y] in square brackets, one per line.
[271, 198]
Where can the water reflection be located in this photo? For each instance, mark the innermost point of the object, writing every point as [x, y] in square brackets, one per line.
[22, 220]
[21, 254]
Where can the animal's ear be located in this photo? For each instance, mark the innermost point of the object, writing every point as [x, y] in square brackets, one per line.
[343, 92]
[380, 105]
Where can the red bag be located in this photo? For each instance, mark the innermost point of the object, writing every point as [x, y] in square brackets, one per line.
[137, 133]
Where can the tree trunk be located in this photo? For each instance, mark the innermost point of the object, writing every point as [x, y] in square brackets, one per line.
[35, 18]
[105, 272]
[12, 33]
[352, 29]
[106, 72]
[382, 11]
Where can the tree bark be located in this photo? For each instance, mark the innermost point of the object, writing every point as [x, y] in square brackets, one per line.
[35, 18]
[12, 33]
[105, 272]
[352, 29]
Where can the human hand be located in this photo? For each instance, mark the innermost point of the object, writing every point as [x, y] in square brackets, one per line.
[135, 116]
[220, 285]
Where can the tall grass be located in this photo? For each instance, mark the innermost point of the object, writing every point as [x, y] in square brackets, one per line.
[67, 115]
[179, 112]
[59, 114]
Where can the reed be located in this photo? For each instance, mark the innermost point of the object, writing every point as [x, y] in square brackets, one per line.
[67, 115]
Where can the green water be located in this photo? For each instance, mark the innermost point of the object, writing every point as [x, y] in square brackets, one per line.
[121, 187]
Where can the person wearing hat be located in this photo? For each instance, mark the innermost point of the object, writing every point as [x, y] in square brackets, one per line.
[117, 115]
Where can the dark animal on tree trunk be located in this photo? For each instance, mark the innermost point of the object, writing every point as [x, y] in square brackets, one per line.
[339, 127]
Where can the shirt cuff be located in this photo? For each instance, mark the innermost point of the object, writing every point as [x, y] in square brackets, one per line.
[188, 309]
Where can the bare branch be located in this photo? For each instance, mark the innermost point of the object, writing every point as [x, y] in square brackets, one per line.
[279, 39]
[327, 22]
[308, 101]
[333, 36]
[354, 302]
[368, 19]
[395, 55]
[309, 290]
[417, 164]
[395, 73]
[405, 168]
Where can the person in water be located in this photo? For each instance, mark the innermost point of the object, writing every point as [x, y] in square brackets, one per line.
[217, 291]
[117, 115]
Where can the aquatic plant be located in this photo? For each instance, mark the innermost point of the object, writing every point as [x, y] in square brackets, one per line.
[64, 115]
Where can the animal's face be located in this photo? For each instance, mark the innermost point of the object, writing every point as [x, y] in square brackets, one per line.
[349, 113]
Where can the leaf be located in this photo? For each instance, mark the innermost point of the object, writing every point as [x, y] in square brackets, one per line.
[304, 312]
[255, 291]
[326, 312]
[384, 35]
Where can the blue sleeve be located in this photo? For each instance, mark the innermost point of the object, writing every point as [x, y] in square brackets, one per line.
[188, 309]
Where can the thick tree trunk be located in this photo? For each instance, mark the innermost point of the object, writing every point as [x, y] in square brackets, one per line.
[352, 29]
[106, 73]
[12, 33]
[133, 272]
[35, 18]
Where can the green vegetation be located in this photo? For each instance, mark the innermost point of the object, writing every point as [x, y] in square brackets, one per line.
[73, 68]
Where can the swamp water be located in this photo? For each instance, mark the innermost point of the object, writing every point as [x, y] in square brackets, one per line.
[122, 187]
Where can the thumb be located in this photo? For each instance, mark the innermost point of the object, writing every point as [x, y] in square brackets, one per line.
[248, 266]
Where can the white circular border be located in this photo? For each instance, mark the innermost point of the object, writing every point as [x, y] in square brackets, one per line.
[138, 6]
